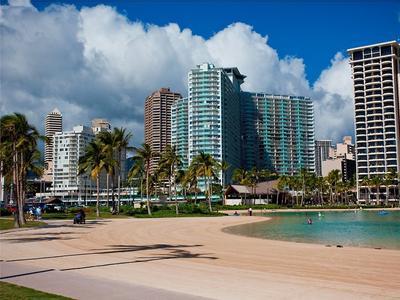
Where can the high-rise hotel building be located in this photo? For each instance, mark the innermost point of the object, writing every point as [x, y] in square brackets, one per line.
[180, 130]
[375, 72]
[322, 149]
[68, 147]
[244, 129]
[214, 114]
[53, 124]
[157, 121]
[277, 132]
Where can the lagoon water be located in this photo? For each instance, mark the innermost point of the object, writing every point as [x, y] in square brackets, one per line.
[348, 228]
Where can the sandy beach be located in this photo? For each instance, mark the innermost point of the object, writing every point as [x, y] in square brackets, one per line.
[194, 257]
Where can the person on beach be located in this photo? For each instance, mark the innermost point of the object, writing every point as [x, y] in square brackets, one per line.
[38, 213]
[250, 211]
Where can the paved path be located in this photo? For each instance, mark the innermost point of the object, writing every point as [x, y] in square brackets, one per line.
[78, 286]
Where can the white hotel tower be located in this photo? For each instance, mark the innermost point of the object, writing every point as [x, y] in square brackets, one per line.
[53, 124]
[375, 71]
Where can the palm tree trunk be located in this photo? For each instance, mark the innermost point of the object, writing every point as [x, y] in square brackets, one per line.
[119, 180]
[112, 192]
[176, 199]
[141, 189]
[108, 190]
[21, 192]
[119, 192]
[195, 193]
[209, 196]
[17, 222]
[97, 196]
[147, 189]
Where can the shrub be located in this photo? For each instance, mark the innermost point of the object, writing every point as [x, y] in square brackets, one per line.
[5, 212]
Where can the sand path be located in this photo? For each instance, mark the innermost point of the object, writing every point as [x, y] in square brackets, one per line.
[194, 257]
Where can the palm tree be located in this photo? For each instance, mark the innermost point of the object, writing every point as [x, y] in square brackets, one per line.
[145, 153]
[224, 166]
[93, 162]
[137, 173]
[366, 182]
[241, 176]
[333, 178]
[377, 181]
[169, 163]
[283, 184]
[121, 139]
[320, 186]
[182, 180]
[206, 167]
[108, 147]
[303, 176]
[295, 184]
[389, 181]
[18, 147]
[254, 178]
[192, 179]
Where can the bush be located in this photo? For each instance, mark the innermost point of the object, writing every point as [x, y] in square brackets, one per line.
[5, 212]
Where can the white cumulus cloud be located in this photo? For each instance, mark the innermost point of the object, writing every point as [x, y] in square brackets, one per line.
[95, 62]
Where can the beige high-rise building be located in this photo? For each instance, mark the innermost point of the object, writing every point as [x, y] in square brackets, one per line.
[100, 125]
[53, 124]
[157, 120]
[375, 72]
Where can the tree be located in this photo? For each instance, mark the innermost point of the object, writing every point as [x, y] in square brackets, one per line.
[390, 181]
[377, 182]
[121, 139]
[182, 180]
[192, 179]
[169, 163]
[93, 162]
[303, 177]
[332, 179]
[18, 148]
[320, 186]
[295, 184]
[366, 182]
[110, 164]
[224, 166]
[145, 153]
[241, 176]
[283, 184]
[137, 172]
[206, 167]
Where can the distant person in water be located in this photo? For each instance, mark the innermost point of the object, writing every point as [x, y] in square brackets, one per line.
[309, 221]
[250, 211]
[236, 213]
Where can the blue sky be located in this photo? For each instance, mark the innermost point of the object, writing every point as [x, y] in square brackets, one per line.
[313, 30]
[101, 59]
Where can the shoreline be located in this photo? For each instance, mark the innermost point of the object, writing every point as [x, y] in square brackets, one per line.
[260, 210]
[197, 253]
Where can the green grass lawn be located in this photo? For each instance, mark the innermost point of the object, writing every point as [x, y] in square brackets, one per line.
[8, 223]
[89, 216]
[16, 292]
[172, 214]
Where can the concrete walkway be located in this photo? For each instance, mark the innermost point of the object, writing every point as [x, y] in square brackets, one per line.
[78, 286]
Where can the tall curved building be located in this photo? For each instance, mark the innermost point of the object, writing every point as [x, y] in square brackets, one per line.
[53, 124]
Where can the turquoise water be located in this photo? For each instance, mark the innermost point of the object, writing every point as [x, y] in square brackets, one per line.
[347, 228]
